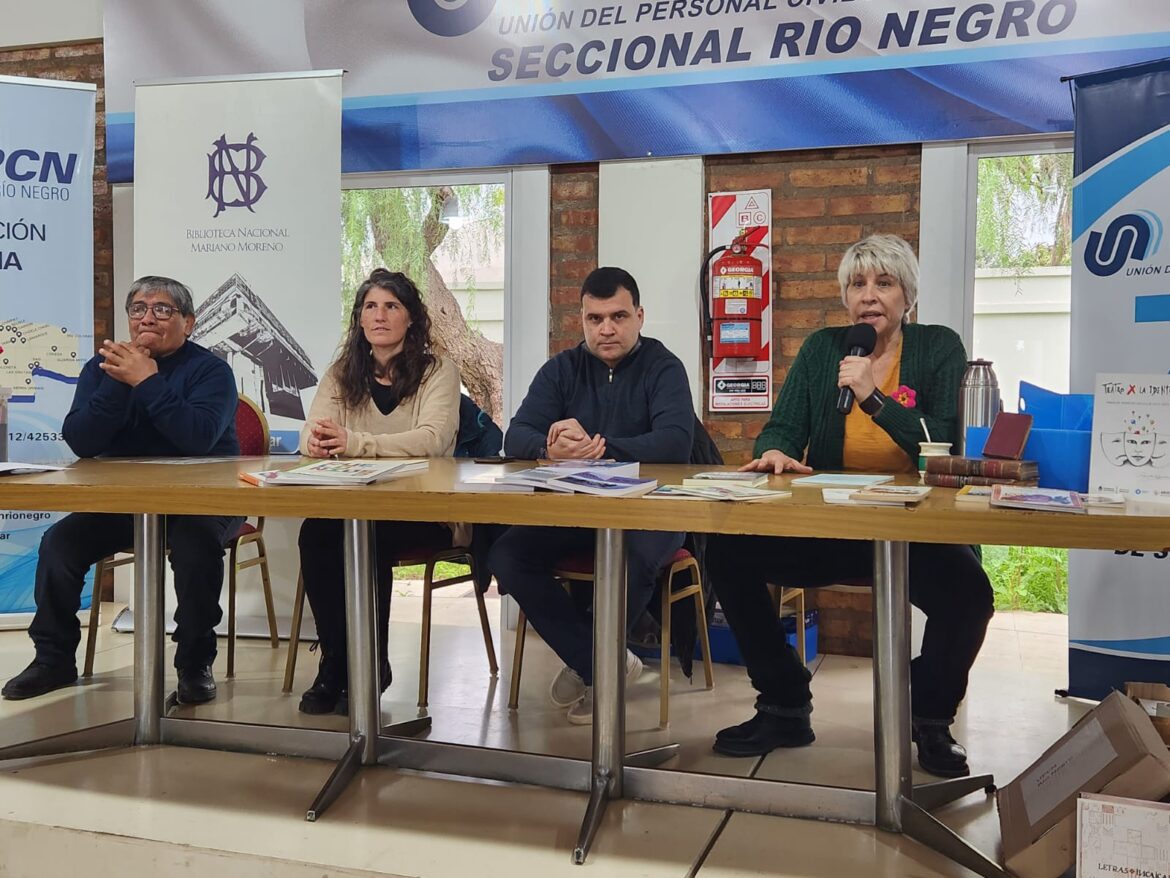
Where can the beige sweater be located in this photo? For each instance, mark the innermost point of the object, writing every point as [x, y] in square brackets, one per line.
[424, 425]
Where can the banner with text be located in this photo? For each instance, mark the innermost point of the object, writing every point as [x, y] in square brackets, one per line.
[1119, 629]
[237, 195]
[46, 295]
[482, 83]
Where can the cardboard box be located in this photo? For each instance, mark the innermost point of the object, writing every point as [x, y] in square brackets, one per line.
[1118, 836]
[1154, 695]
[1114, 750]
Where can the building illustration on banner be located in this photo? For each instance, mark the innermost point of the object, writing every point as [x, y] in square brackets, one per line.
[270, 365]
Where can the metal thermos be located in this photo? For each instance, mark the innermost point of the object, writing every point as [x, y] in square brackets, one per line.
[979, 400]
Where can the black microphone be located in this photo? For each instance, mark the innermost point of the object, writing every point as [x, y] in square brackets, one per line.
[860, 339]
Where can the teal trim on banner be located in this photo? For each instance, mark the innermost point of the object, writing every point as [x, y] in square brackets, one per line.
[1151, 646]
[1151, 309]
[1094, 196]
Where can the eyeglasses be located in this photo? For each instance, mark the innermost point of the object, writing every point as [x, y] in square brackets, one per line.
[161, 310]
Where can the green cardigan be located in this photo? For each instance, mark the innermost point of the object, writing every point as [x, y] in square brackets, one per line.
[806, 417]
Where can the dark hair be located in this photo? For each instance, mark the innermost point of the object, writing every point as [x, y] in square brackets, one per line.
[180, 293]
[355, 368]
[603, 283]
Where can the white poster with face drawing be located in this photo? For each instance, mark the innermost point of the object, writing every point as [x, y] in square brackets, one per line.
[1131, 436]
[237, 194]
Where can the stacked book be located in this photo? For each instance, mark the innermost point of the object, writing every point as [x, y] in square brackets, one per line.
[605, 478]
[956, 472]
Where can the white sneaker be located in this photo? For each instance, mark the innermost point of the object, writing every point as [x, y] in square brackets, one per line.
[567, 688]
[581, 713]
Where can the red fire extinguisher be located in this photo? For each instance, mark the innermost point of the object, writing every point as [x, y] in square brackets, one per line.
[737, 304]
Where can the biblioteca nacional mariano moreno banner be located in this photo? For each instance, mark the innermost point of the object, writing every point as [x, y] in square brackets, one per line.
[480, 83]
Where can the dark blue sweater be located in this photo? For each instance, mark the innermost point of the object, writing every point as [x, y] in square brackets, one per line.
[187, 410]
[642, 407]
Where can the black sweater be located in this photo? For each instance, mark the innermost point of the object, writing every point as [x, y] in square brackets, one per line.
[642, 407]
[187, 410]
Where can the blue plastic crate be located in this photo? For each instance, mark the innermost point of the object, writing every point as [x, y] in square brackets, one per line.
[724, 648]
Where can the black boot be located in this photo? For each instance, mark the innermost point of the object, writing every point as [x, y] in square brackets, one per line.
[763, 733]
[38, 678]
[328, 691]
[938, 753]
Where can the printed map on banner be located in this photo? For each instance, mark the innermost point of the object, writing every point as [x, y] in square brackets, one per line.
[34, 354]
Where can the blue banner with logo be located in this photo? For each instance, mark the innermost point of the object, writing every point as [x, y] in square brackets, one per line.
[46, 295]
[485, 83]
[1119, 629]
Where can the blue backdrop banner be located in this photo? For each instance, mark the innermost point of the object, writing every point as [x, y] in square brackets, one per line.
[1118, 628]
[483, 83]
[46, 293]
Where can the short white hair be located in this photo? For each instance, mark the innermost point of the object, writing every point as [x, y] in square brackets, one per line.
[881, 254]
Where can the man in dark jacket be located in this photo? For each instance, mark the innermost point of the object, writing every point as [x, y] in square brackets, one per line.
[159, 395]
[616, 395]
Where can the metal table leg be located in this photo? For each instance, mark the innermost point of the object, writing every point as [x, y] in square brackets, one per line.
[896, 810]
[361, 625]
[149, 628]
[609, 682]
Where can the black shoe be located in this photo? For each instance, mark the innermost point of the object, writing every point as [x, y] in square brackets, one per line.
[938, 752]
[763, 733]
[196, 685]
[325, 695]
[37, 679]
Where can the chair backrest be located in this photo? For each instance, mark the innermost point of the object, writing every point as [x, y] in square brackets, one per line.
[251, 428]
[478, 434]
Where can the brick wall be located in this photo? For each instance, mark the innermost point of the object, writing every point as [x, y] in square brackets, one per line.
[80, 62]
[822, 201]
[573, 245]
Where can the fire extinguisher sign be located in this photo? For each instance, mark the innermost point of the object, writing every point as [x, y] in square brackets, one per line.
[740, 285]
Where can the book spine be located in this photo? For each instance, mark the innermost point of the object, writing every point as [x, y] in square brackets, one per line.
[949, 480]
[977, 466]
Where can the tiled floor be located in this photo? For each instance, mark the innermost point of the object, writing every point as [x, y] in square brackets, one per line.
[168, 810]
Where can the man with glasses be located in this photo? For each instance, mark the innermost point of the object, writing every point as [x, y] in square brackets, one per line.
[159, 395]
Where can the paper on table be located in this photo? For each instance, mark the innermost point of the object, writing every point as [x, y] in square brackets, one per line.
[842, 480]
[1048, 783]
[15, 468]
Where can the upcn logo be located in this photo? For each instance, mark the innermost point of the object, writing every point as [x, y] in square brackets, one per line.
[27, 165]
[451, 18]
[1134, 235]
[233, 178]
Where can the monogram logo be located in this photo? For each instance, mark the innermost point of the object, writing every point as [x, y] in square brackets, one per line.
[451, 18]
[232, 174]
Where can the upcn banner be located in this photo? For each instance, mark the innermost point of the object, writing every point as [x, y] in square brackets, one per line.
[1119, 629]
[46, 295]
[482, 83]
[237, 195]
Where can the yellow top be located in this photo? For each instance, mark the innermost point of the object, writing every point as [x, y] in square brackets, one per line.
[869, 448]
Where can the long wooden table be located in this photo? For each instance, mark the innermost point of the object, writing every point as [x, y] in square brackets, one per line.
[148, 491]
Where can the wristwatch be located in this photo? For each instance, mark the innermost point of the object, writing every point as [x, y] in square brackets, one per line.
[873, 403]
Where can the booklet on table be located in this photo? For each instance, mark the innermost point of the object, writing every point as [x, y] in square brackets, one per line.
[841, 480]
[339, 472]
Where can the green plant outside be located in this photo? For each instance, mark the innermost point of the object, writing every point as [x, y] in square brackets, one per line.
[443, 570]
[1028, 578]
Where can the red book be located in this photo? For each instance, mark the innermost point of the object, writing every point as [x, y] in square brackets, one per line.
[980, 466]
[1008, 436]
[950, 480]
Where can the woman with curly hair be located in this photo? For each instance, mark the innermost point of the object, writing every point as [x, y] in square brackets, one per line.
[386, 395]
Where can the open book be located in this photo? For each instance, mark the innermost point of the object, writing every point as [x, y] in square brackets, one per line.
[339, 472]
[584, 478]
[716, 491]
